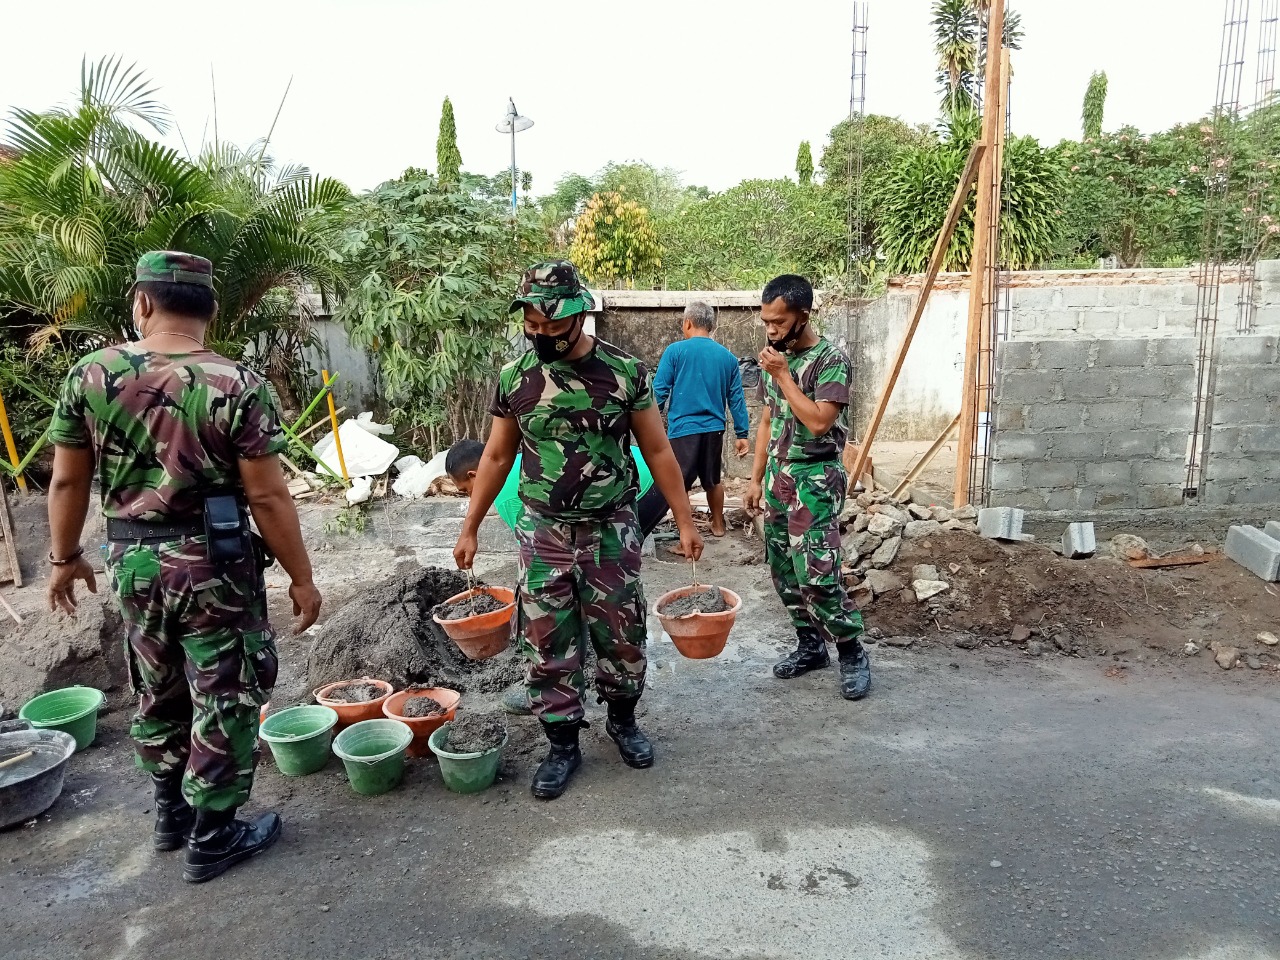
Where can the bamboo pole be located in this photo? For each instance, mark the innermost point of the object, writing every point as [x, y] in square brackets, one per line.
[979, 266]
[927, 458]
[11, 447]
[958, 201]
[333, 419]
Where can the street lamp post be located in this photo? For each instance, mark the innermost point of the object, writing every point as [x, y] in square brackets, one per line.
[513, 123]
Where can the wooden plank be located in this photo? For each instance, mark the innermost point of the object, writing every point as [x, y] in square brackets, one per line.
[982, 254]
[927, 458]
[13, 573]
[958, 201]
[1174, 560]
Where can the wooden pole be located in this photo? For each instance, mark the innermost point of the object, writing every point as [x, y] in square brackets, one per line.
[333, 419]
[10, 446]
[927, 458]
[987, 347]
[979, 267]
[958, 201]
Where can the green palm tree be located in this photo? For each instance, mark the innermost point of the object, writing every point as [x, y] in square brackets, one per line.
[958, 34]
[88, 191]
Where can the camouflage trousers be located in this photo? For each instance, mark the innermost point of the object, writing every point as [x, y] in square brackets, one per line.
[202, 660]
[573, 574]
[802, 503]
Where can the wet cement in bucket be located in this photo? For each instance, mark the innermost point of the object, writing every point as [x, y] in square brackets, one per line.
[421, 707]
[710, 600]
[476, 732]
[356, 693]
[470, 607]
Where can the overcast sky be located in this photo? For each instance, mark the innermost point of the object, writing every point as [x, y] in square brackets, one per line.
[722, 91]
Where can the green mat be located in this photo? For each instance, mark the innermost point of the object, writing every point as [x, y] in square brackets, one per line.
[508, 503]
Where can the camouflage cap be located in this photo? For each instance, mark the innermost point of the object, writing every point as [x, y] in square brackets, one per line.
[173, 266]
[554, 290]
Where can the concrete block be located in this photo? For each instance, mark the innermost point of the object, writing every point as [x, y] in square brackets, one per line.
[1015, 497]
[1026, 386]
[1008, 476]
[1015, 354]
[1179, 323]
[1010, 416]
[1079, 541]
[1001, 523]
[1093, 384]
[1259, 350]
[1063, 354]
[1153, 496]
[1055, 416]
[1176, 351]
[1048, 474]
[1255, 551]
[1124, 353]
[1261, 439]
[1227, 471]
[1100, 322]
[1109, 474]
[1112, 415]
[1179, 381]
[1168, 414]
[1130, 443]
[1263, 382]
[1257, 492]
[1020, 446]
[1172, 444]
[1173, 295]
[1115, 498]
[1161, 471]
[1076, 445]
[1227, 441]
[1083, 296]
[1061, 321]
[1239, 413]
[1140, 318]
[1139, 382]
[1267, 271]
[1063, 498]
[1272, 529]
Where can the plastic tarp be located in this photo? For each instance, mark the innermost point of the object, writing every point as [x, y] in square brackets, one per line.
[366, 455]
[417, 477]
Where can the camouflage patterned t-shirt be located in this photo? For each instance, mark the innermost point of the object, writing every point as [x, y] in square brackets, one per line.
[823, 373]
[166, 429]
[575, 429]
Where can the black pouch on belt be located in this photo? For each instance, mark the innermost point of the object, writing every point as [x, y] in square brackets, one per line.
[226, 528]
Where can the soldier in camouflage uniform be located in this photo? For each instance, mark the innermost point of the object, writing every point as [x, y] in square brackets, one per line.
[800, 481]
[569, 406]
[163, 424]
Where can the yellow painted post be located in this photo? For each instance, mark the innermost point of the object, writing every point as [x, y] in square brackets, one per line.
[333, 419]
[10, 446]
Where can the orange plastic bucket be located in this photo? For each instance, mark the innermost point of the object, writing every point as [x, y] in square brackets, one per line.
[699, 636]
[349, 713]
[486, 634]
[422, 727]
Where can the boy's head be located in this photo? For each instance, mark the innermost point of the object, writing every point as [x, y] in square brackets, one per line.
[461, 463]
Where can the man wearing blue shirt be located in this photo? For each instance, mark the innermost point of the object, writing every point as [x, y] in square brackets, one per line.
[697, 379]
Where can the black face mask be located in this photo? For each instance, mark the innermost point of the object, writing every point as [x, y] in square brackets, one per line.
[792, 335]
[550, 349]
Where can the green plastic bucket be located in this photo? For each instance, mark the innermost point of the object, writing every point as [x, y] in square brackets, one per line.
[373, 753]
[300, 738]
[73, 710]
[465, 772]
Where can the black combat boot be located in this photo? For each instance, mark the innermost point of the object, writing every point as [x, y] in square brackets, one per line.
[809, 654]
[633, 745]
[855, 670]
[553, 773]
[219, 841]
[174, 815]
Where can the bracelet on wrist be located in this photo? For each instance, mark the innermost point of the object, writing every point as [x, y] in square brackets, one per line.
[67, 560]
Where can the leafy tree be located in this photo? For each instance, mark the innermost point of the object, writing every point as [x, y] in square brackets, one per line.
[746, 235]
[914, 198]
[614, 239]
[1095, 102]
[88, 192]
[448, 157]
[804, 164]
[430, 273]
[959, 32]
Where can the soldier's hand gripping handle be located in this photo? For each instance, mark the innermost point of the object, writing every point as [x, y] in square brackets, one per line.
[751, 500]
[464, 551]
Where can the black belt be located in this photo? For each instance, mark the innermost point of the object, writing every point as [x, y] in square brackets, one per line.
[151, 531]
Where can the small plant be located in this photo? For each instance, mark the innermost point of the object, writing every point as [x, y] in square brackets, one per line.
[351, 521]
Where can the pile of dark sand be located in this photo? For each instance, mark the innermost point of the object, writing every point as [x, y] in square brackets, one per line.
[355, 693]
[388, 633]
[710, 600]
[476, 732]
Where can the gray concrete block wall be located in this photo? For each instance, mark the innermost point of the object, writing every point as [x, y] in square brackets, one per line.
[1092, 424]
[1243, 462]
